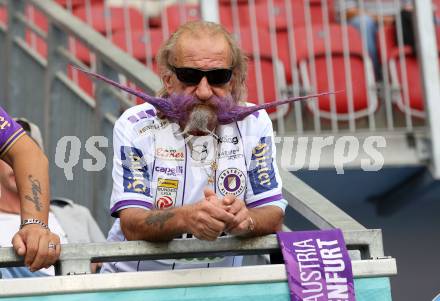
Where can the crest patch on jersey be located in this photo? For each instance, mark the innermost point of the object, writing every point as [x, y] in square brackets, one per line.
[231, 181]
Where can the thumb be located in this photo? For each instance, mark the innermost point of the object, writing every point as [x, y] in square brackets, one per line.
[18, 244]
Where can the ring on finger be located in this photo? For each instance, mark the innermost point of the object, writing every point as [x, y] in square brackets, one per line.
[52, 246]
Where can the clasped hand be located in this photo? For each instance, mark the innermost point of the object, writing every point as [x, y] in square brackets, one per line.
[212, 216]
[32, 242]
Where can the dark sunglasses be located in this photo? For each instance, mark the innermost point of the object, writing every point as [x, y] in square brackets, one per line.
[193, 76]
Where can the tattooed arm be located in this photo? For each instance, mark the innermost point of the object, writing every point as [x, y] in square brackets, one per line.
[205, 219]
[31, 167]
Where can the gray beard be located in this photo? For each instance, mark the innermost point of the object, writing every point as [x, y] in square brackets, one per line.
[202, 121]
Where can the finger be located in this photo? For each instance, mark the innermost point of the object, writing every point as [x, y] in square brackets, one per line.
[58, 250]
[241, 216]
[210, 234]
[210, 226]
[216, 225]
[229, 199]
[236, 207]
[220, 214]
[41, 255]
[31, 249]
[210, 196]
[18, 244]
[202, 235]
[53, 254]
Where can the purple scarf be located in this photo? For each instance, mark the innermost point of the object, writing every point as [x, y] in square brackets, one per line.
[317, 264]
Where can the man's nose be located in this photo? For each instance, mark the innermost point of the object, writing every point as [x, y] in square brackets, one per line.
[204, 89]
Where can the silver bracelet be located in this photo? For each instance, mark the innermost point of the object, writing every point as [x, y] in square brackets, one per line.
[33, 221]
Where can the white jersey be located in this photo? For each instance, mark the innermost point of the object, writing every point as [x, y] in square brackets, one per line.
[155, 168]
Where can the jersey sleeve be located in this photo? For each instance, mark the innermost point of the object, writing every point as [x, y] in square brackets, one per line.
[264, 186]
[131, 175]
[10, 132]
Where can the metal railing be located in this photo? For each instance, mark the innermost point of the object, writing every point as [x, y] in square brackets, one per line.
[258, 275]
[365, 249]
[76, 258]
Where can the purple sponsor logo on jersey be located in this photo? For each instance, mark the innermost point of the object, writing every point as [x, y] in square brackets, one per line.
[141, 115]
[261, 172]
[135, 171]
[170, 171]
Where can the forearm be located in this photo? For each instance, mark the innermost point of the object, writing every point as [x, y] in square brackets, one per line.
[31, 169]
[267, 220]
[154, 225]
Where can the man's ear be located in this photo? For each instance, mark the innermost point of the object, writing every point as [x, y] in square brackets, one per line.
[167, 82]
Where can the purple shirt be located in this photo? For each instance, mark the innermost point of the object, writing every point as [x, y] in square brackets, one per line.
[10, 132]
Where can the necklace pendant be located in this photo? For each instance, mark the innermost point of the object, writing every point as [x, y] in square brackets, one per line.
[210, 180]
[214, 165]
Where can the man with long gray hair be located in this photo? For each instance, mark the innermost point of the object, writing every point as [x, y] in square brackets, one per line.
[195, 166]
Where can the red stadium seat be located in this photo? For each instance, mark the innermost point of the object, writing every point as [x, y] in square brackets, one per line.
[301, 50]
[268, 85]
[81, 79]
[115, 16]
[299, 10]
[81, 52]
[246, 42]
[119, 38]
[226, 12]
[229, 2]
[36, 43]
[359, 88]
[436, 5]
[3, 15]
[362, 79]
[178, 14]
[39, 19]
[414, 84]
[84, 81]
[139, 45]
[415, 103]
[140, 41]
[77, 3]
